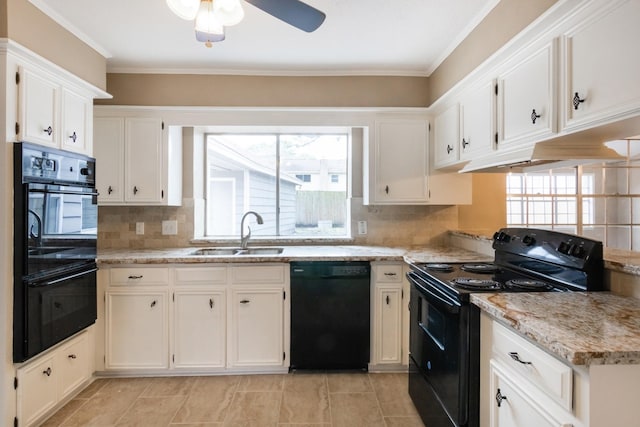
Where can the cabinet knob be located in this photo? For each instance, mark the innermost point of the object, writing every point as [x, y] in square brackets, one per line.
[388, 299]
[211, 303]
[245, 301]
[534, 116]
[73, 137]
[465, 143]
[500, 397]
[449, 149]
[135, 189]
[515, 356]
[48, 131]
[47, 372]
[386, 189]
[153, 303]
[72, 356]
[109, 190]
[577, 101]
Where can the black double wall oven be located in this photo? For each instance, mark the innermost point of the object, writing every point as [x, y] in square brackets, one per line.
[55, 233]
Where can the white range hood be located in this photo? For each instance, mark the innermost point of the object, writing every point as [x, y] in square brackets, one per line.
[564, 153]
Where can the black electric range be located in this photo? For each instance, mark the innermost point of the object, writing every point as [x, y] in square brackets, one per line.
[445, 328]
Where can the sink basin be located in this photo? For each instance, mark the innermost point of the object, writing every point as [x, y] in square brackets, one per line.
[260, 251]
[238, 251]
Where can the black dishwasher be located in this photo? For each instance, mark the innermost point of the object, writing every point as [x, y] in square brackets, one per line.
[330, 309]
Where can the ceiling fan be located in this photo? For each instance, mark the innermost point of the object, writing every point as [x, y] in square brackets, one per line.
[211, 16]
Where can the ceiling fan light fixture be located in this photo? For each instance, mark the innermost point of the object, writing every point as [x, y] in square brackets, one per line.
[208, 28]
[185, 9]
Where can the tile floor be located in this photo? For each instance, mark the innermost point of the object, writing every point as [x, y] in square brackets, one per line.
[295, 400]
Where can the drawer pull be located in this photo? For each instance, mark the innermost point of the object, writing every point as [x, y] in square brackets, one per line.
[211, 304]
[47, 372]
[245, 301]
[135, 277]
[515, 356]
[390, 274]
[72, 356]
[387, 299]
[500, 397]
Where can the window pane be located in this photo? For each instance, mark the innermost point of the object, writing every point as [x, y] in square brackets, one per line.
[634, 181]
[538, 183]
[619, 237]
[540, 210]
[565, 210]
[317, 206]
[616, 181]
[592, 181]
[595, 233]
[515, 211]
[564, 181]
[515, 184]
[618, 210]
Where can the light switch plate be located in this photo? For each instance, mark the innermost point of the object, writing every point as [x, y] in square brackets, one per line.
[170, 227]
[362, 227]
[139, 227]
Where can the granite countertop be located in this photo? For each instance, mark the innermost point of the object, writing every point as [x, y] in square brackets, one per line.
[292, 253]
[583, 328]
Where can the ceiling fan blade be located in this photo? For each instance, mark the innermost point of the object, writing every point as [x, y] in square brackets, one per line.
[293, 12]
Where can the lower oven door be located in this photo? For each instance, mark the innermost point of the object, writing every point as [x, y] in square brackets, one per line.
[57, 308]
[438, 348]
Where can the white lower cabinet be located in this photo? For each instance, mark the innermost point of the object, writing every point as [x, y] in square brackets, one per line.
[137, 329]
[199, 329]
[50, 379]
[257, 326]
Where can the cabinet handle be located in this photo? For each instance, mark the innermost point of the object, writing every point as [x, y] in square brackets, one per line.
[449, 149]
[47, 372]
[153, 303]
[387, 299]
[386, 189]
[465, 143]
[73, 137]
[577, 101]
[72, 356]
[211, 303]
[135, 190]
[245, 301]
[48, 131]
[500, 397]
[534, 116]
[515, 356]
[109, 190]
[390, 274]
[132, 277]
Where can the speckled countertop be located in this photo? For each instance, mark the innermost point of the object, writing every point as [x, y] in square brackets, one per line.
[594, 328]
[292, 253]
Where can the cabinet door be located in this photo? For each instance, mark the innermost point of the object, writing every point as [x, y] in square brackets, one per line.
[76, 119]
[401, 162]
[143, 160]
[602, 65]
[477, 118]
[199, 329]
[37, 389]
[137, 329]
[73, 364]
[447, 137]
[388, 331]
[511, 406]
[38, 112]
[257, 327]
[526, 98]
[108, 137]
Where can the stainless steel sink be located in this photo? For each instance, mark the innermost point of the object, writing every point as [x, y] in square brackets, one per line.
[238, 251]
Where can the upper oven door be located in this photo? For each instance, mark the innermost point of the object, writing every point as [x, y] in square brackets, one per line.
[60, 226]
[437, 345]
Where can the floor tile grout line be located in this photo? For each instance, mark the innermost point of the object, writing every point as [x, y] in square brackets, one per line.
[384, 421]
[326, 384]
[132, 404]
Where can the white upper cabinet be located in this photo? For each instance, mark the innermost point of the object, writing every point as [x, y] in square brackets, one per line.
[447, 136]
[109, 152]
[526, 97]
[602, 65]
[143, 160]
[477, 120]
[401, 161]
[53, 112]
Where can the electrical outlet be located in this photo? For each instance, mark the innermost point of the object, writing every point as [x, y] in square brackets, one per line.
[139, 227]
[362, 227]
[170, 227]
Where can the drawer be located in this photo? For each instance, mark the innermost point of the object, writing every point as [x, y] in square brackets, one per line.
[139, 276]
[391, 273]
[258, 274]
[201, 276]
[542, 369]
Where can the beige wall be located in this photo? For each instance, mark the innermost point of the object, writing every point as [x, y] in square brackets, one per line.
[28, 26]
[488, 212]
[3, 19]
[506, 20]
[262, 91]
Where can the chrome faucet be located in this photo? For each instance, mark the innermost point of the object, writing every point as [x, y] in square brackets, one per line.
[244, 240]
[36, 237]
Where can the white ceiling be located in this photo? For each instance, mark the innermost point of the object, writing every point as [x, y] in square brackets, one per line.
[358, 37]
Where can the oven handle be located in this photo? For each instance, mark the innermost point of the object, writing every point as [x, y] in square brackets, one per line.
[62, 279]
[79, 193]
[450, 305]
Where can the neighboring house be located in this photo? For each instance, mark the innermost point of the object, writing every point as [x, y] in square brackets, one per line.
[318, 175]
